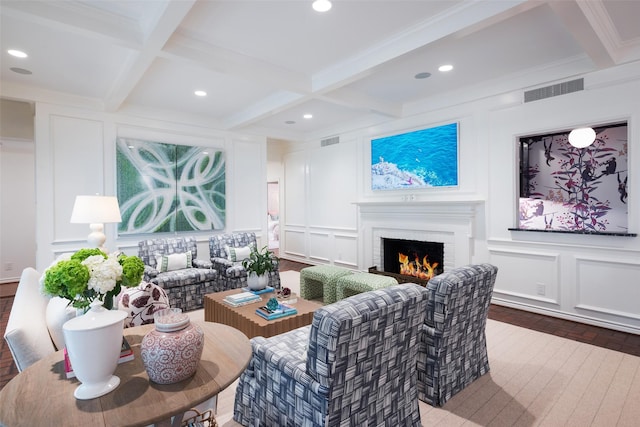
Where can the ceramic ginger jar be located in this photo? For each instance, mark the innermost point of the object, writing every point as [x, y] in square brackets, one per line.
[171, 352]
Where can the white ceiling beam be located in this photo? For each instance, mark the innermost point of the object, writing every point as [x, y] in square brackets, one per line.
[268, 106]
[225, 61]
[166, 24]
[356, 100]
[449, 22]
[589, 24]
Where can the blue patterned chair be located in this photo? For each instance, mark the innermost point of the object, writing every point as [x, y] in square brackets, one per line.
[172, 264]
[354, 365]
[452, 347]
[232, 273]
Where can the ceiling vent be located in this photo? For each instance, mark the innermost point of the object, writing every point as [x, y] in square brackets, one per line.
[329, 141]
[554, 90]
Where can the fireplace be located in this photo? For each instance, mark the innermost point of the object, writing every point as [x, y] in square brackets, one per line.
[448, 222]
[413, 258]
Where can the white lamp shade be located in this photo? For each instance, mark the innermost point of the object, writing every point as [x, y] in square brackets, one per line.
[95, 210]
[582, 137]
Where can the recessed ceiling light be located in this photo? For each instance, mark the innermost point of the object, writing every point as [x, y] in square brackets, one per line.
[422, 75]
[321, 5]
[200, 93]
[290, 122]
[445, 68]
[17, 53]
[20, 70]
[308, 116]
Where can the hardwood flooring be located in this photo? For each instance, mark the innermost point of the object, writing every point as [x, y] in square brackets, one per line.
[601, 337]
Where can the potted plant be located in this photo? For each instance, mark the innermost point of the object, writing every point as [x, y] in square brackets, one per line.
[258, 264]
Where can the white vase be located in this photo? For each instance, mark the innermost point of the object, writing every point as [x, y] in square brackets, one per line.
[93, 342]
[257, 283]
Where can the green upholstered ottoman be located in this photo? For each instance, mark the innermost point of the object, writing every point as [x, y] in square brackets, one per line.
[320, 281]
[356, 283]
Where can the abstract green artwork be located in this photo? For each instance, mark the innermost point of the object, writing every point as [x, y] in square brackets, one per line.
[169, 188]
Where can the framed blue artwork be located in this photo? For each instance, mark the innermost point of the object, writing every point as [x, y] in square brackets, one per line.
[417, 159]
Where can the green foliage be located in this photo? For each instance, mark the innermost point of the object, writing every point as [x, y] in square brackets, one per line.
[85, 253]
[132, 270]
[67, 279]
[260, 261]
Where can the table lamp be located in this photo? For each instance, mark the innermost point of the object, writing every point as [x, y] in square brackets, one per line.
[96, 211]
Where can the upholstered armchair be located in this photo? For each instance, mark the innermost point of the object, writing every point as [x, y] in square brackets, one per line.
[354, 365]
[452, 347]
[228, 262]
[172, 264]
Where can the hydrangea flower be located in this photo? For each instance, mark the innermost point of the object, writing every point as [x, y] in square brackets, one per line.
[90, 274]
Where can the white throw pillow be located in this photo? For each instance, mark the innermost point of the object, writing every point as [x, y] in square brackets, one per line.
[174, 261]
[238, 254]
[57, 313]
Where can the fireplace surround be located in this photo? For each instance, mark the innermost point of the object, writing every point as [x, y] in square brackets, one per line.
[451, 223]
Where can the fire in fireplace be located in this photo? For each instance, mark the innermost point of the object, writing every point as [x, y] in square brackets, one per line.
[413, 258]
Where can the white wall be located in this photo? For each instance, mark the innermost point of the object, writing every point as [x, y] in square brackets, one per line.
[16, 120]
[581, 277]
[75, 154]
[17, 216]
[319, 217]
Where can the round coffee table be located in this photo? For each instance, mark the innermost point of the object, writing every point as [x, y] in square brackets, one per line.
[42, 395]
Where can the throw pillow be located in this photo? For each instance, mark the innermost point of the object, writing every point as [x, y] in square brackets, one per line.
[238, 254]
[174, 261]
[57, 313]
[140, 302]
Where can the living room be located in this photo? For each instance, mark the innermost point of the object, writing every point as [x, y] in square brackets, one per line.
[329, 213]
[58, 144]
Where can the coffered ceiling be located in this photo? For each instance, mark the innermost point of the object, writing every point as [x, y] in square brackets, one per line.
[264, 64]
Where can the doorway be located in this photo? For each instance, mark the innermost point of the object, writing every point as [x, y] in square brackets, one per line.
[273, 214]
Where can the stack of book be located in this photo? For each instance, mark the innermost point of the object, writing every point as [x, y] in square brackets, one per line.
[243, 298]
[261, 291]
[126, 354]
[283, 310]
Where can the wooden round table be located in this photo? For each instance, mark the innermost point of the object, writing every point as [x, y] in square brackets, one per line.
[42, 395]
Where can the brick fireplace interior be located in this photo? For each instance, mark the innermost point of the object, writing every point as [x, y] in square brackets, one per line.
[413, 258]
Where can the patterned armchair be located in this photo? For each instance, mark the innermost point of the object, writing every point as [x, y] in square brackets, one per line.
[232, 273]
[184, 278]
[452, 347]
[354, 365]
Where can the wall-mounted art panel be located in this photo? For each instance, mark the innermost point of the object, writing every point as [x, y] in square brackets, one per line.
[418, 159]
[169, 188]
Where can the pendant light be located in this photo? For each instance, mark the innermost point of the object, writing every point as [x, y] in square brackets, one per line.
[582, 137]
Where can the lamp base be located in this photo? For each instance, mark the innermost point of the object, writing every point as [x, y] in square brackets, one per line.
[97, 238]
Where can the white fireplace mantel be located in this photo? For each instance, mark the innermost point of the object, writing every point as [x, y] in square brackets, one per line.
[459, 208]
[450, 222]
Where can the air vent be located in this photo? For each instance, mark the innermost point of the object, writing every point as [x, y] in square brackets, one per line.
[329, 141]
[554, 90]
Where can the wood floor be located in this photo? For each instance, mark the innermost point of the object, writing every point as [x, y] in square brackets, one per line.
[601, 337]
